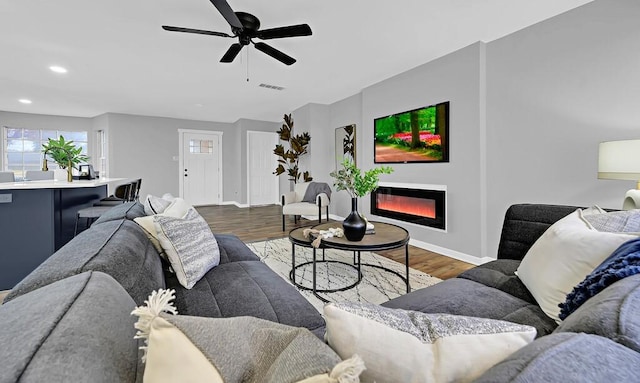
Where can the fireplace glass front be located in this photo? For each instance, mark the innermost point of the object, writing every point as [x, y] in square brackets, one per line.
[418, 206]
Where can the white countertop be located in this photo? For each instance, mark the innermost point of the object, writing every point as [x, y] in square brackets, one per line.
[53, 184]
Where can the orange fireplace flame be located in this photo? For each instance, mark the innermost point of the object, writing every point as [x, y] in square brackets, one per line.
[407, 205]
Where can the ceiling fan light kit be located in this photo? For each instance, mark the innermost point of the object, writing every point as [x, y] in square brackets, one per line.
[246, 27]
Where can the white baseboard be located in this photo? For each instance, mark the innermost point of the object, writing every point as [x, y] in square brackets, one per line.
[241, 205]
[331, 216]
[336, 217]
[450, 253]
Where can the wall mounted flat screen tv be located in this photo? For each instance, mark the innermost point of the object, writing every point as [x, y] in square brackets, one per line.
[419, 135]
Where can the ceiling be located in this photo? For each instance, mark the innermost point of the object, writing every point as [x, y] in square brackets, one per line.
[120, 60]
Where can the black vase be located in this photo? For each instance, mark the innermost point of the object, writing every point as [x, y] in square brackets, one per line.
[354, 225]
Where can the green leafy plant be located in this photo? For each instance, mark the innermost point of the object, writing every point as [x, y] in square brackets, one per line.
[288, 160]
[64, 153]
[351, 179]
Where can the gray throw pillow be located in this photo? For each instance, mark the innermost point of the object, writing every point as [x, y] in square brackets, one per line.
[613, 313]
[240, 349]
[567, 358]
[78, 329]
[616, 222]
[189, 244]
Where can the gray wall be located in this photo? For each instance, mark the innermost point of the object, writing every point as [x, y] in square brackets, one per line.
[455, 78]
[314, 119]
[142, 146]
[555, 90]
[527, 114]
[343, 113]
[145, 147]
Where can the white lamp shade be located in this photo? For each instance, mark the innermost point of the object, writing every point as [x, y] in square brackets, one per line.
[619, 160]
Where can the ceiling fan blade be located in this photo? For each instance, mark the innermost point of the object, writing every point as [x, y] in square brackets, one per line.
[290, 31]
[191, 30]
[231, 53]
[225, 10]
[276, 54]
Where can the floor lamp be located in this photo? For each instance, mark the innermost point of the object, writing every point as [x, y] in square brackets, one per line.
[620, 160]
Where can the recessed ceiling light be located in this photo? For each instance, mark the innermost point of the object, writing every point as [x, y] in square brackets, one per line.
[58, 69]
[24, 101]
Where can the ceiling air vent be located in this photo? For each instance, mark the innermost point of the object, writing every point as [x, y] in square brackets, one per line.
[274, 87]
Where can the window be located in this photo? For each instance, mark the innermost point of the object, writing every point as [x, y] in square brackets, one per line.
[23, 147]
[101, 153]
[200, 146]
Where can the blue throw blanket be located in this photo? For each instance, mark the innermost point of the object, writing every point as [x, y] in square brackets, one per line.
[622, 263]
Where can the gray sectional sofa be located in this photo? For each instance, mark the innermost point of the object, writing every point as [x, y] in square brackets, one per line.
[239, 285]
[69, 320]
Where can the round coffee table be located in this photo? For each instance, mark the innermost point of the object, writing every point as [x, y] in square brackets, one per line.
[297, 238]
[386, 237]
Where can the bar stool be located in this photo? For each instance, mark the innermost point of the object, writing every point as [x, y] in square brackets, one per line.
[121, 195]
[93, 213]
[90, 214]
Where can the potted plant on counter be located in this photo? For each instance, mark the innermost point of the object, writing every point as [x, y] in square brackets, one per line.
[65, 153]
[351, 179]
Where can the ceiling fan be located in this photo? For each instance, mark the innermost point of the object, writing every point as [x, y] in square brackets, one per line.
[246, 27]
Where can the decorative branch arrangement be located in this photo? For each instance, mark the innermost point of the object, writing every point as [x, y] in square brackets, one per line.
[288, 160]
[348, 142]
[351, 179]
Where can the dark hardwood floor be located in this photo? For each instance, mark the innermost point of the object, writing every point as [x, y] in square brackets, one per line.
[265, 222]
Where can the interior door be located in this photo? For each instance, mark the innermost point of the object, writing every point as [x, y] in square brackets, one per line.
[262, 184]
[201, 168]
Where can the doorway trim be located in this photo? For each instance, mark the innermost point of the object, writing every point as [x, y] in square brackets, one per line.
[181, 133]
[276, 181]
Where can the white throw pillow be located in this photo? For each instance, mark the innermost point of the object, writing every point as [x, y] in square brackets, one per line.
[189, 245]
[563, 256]
[408, 346]
[155, 205]
[177, 208]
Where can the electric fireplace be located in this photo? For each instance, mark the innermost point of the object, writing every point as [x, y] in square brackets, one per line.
[418, 204]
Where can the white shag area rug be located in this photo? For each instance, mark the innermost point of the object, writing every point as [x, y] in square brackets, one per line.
[377, 285]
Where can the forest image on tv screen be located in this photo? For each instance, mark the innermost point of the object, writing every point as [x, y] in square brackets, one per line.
[418, 135]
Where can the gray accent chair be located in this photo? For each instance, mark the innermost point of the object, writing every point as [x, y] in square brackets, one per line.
[293, 204]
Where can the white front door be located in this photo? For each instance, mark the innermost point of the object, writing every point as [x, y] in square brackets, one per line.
[262, 184]
[200, 170]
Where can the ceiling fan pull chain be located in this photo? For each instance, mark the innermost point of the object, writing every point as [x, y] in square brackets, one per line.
[248, 65]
